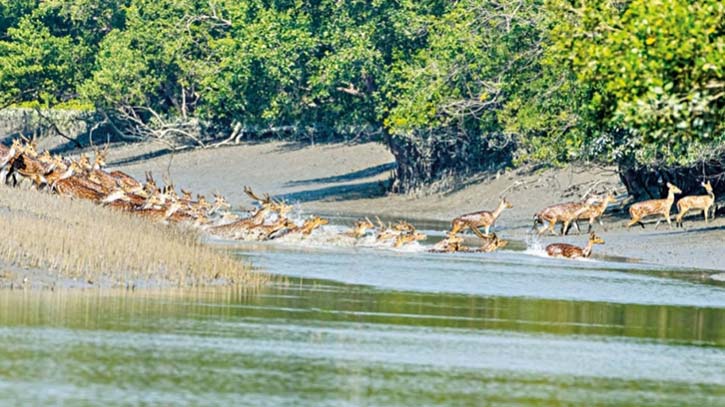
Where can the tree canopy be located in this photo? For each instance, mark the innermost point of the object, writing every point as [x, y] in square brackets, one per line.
[451, 86]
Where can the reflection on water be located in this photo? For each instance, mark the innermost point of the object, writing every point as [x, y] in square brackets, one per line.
[312, 342]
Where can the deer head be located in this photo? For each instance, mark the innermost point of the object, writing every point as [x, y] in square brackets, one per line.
[220, 202]
[594, 239]
[673, 189]
[84, 162]
[99, 160]
[186, 195]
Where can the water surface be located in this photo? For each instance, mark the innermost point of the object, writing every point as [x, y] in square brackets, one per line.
[359, 326]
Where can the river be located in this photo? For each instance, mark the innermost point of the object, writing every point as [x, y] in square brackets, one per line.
[364, 326]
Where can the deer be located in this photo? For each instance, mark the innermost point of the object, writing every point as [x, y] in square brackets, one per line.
[408, 237]
[308, 226]
[699, 202]
[573, 252]
[265, 232]
[553, 214]
[402, 233]
[476, 220]
[99, 159]
[360, 227]
[26, 164]
[385, 232]
[7, 154]
[186, 196]
[451, 244]
[78, 187]
[102, 178]
[60, 171]
[220, 204]
[267, 202]
[161, 214]
[84, 162]
[242, 225]
[598, 207]
[653, 207]
[492, 244]
[128, 183]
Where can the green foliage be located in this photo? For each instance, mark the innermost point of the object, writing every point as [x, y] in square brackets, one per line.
[452, 86]
[653, 71]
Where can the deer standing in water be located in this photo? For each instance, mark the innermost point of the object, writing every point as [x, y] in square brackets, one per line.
[654, 207]
[572, 252]
[481, 219]
[700, 202]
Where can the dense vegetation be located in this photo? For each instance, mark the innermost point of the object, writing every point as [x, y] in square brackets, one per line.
[451, 86]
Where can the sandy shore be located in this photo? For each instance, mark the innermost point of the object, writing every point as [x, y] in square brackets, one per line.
[349, 180]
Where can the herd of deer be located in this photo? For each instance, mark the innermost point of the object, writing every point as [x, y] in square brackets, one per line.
[84, 179]
[569, 213]
[88, 180]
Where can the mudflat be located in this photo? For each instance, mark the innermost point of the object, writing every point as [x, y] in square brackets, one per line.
[351, 179]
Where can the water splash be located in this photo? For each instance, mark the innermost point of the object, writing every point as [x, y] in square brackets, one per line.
[534, 246]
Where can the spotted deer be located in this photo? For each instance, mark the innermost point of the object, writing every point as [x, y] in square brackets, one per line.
[572, 252]
[597, 208]
[699, 202]
[551, 215]
[159, 215]
[654, 207]
[481, 219]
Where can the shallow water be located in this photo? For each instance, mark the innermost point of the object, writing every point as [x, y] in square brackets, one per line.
[365, 326]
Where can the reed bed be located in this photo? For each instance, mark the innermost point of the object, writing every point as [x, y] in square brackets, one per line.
[79, 240]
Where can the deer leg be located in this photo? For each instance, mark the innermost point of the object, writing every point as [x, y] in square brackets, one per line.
[667, 217]
[678, 219]
[552, 224]
[478, 232]
[634, 221]
[705, 213]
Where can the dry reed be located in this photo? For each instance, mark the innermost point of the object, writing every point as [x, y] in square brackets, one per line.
[79, 240]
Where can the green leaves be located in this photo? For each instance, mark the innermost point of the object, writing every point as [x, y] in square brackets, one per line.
[658, 66]
[538, 80]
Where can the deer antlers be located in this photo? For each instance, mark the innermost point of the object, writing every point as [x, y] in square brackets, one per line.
[264, 201]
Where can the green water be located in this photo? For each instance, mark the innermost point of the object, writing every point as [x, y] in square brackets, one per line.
[502, 330]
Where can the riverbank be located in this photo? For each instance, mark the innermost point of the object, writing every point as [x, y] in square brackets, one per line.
[349, 180]
[57, 242]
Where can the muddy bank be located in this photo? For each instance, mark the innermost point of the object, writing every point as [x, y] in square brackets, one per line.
[349, 180]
